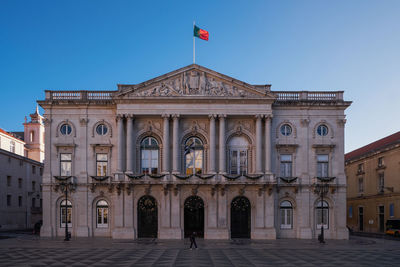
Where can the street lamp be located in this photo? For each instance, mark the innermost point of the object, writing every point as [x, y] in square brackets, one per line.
[66, 186]
[322, 189]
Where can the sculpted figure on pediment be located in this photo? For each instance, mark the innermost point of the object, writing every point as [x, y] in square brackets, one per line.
[194, 83]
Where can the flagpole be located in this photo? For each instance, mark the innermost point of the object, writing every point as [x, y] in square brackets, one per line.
[194, 45]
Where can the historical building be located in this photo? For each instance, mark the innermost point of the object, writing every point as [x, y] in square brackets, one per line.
[21, 169]
[194, 151]
[373, 194]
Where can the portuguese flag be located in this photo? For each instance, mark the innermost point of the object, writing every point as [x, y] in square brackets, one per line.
[200, 33]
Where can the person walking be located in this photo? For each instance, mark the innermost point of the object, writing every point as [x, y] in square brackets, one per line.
[192, 238]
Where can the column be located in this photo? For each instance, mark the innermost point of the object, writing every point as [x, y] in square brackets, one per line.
[175, 144]
[222, 161]
[212, 143]
[268, 143]
[129, 144]
[258, 144]
[165, 167]
[120, 127]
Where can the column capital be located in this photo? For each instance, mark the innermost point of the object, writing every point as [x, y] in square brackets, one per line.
[268, 117]
[259, 116]
[166, 116]
[222, 116]
[212, 116]
[175, 116]
[129, 116]
[119, 117]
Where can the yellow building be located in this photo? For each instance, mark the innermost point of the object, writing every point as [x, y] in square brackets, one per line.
[373, 180]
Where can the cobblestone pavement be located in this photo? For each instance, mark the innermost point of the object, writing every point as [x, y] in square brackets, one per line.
[28, 250]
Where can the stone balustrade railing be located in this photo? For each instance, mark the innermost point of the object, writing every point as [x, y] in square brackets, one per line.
[78, 95]
[309, 96]
[281, 95]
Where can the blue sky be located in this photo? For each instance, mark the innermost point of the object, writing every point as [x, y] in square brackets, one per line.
[350, 45]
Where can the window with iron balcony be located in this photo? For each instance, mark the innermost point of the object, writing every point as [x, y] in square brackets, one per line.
[381, 163]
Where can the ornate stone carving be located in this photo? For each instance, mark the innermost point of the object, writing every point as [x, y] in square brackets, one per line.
[195, 190]
[166, 189]
[341, 122]
[194, 83]
[83, 121]
[47, 121]
[305, 122]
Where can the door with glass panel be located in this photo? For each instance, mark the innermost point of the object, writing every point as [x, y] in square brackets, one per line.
[194, 156]
[238, 162]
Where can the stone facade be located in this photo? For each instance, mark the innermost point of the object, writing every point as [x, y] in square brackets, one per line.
[373, 194]
[193, 150]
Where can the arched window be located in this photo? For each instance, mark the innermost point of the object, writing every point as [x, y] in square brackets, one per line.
[194, 156]
[286, 215]
[149, 154]
[322, 214]
[102, 214]
[66, 209]
[238, 147]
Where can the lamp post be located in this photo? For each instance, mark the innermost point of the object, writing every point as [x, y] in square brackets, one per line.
[322, 189]
[65, 186]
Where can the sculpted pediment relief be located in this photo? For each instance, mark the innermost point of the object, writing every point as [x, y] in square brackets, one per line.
[192, 82]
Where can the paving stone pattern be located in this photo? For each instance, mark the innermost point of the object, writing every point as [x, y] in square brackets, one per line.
[360, 252]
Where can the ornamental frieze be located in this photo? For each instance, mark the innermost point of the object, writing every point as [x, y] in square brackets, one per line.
[194, 83]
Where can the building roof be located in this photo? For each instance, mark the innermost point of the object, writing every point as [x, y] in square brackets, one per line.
[373, 147]
[10, 134]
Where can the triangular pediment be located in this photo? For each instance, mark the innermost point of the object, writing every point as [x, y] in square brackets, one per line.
[193, 80]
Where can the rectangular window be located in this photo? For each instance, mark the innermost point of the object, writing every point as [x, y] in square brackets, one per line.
[381, 182]
[286, 218]
[325, 217]
[33, 169]
[360, 185]
[101, 164]
[12, 146]
[350, 211]
[8, 180]
[65, 164]
[19, 201]
[238, 162]
[69, 216]
[380, 162]
[19, 182]
[8, 200]
[33, 186]
[360, 168]
[391, 210]
[322, 165]
[286, 165]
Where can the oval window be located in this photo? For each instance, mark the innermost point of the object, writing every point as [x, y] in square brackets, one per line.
[66, 129]
[322, 130]
[101, 129]
[286, 130]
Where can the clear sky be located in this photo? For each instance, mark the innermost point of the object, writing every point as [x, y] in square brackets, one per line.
[350, 45]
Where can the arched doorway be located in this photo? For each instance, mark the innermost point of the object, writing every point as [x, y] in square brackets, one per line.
[194, 216]
[147, 217]
[240, 217]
